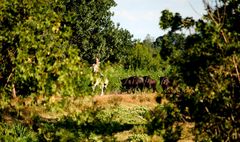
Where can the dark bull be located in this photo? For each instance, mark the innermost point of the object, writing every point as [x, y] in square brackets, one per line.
[164, 82]
[150, 83]
[133, 83]
[138, 83]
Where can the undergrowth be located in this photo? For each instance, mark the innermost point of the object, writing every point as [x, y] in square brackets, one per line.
[75, 119]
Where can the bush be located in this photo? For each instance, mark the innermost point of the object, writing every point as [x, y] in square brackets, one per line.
[138, 138]
[143, 57]
[164, 121]
[16, 132]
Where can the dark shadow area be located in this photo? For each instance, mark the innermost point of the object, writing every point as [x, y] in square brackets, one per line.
[79, 129]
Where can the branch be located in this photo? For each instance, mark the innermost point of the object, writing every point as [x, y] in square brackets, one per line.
[14, 95]
[236, 67]
[217, 20]
[9, 77]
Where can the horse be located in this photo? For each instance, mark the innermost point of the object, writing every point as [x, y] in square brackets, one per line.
[101, 81]
[97, 78]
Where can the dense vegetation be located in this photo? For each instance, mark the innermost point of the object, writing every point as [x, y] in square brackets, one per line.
[46, 51]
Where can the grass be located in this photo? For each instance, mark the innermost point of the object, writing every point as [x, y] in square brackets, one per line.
[121, 115]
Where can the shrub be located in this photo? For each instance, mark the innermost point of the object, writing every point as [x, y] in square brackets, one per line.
[16, 132]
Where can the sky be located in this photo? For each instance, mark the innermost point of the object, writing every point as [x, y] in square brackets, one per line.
[141, 17]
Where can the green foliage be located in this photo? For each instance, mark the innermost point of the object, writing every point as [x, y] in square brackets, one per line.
[35, 50]
[138, 138]
[116, 72]
[164, 120]
[119, 42]
[90, 124]
[174, 22]
[207, 71]
[90, 21]
[93, 31]
[143, 57]
[166, 19]
[171, 46]
[16, 132]
[46, 46]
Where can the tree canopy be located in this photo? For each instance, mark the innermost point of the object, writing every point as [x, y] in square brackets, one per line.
[207, 68]
[45, 44]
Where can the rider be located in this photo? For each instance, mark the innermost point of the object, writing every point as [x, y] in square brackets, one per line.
[97, 77]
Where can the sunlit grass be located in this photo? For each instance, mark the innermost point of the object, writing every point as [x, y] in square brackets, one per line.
[123, 115]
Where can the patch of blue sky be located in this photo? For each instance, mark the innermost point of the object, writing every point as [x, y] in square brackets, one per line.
[141, 17]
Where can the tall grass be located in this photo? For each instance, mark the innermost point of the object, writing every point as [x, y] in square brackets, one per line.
[16, 132]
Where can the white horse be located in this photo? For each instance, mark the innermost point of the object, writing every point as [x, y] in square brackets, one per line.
[101, 81]
[98, 78]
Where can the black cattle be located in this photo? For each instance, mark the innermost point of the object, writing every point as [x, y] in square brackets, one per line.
[150, 83]
[139, 83]
[133, 83]
[126, 84]
[164, 82]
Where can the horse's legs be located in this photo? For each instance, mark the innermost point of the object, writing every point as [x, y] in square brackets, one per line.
[102, 90]
[95, 84]
[104, 86]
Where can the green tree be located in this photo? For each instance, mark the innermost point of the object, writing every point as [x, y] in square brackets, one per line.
[208, 68]
[170, 45]
[45, 45]
[143, 56]
[36, 55]
[119, 43]
[93, 31]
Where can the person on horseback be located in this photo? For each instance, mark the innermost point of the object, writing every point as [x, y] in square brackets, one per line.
[97, 78]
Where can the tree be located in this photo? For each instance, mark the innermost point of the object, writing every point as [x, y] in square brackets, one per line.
[171, 46]
[143, 56]
[119, 44]
[208, 71]
[45, 45]
[93, 31]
